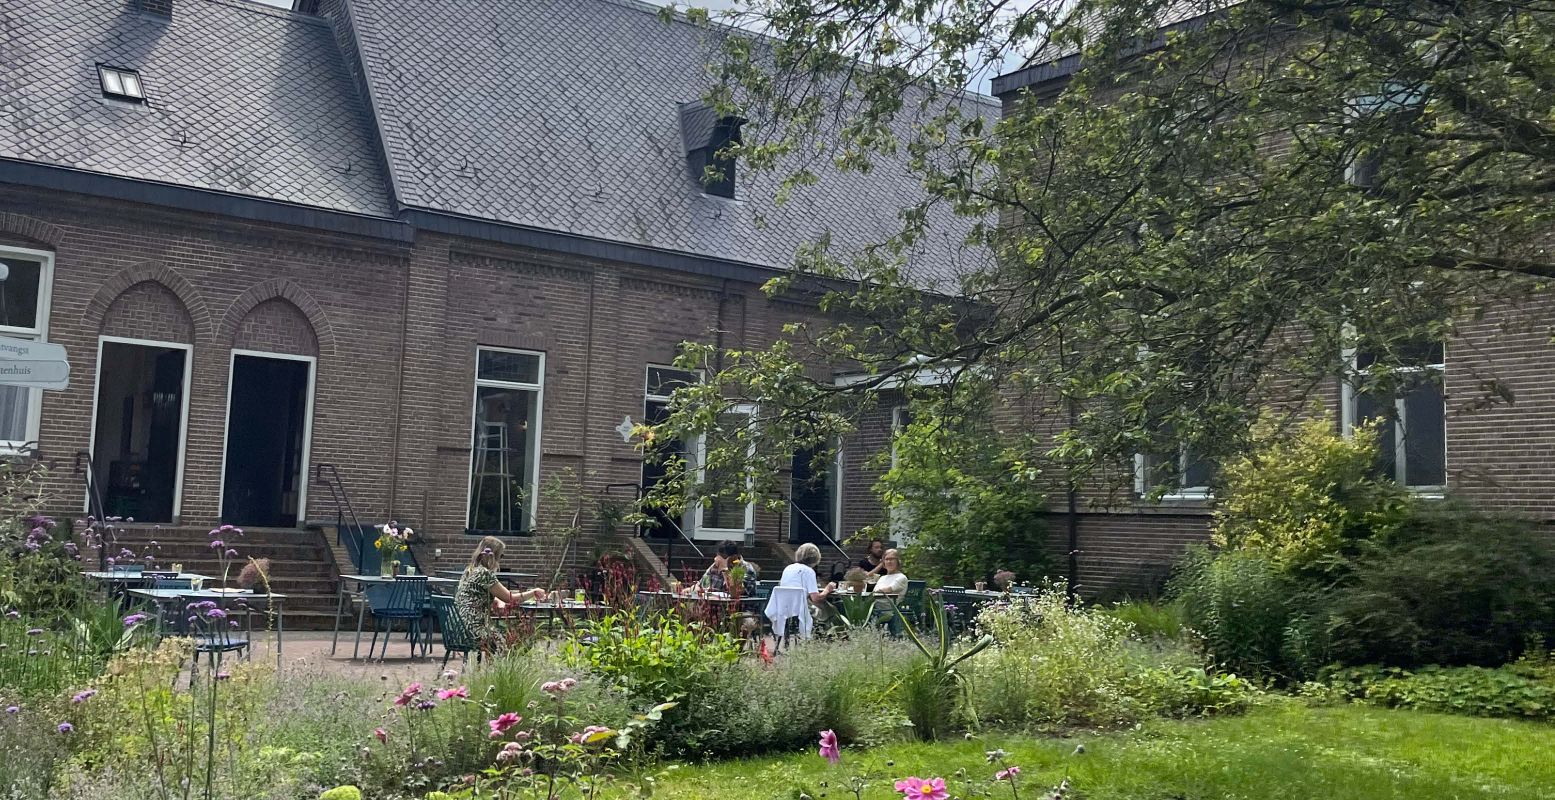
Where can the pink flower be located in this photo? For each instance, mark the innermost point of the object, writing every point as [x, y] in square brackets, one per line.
[502, 723]
[381, 735]
[408, 695]
[558, 688]
[1007, 774]
[829, 748]
[449, 694]
[919, 789]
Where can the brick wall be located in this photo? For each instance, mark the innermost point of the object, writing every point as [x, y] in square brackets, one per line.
[394, 329]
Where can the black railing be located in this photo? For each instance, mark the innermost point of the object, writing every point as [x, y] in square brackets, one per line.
[665, 523]
[96, 511]
[825, 534]
[352, 535]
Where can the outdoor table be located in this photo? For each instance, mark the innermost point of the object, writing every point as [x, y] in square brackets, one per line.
[164, 598]
[563, 610]
[362, 582]
[117, 580]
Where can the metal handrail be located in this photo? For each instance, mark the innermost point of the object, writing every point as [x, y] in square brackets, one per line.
[669, 547]
[829, 540]
[94, 503]
[343, 508]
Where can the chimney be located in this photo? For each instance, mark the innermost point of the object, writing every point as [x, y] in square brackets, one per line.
[162, 8]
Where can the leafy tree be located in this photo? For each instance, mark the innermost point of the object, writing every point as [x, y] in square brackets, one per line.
[968, 506]
[1302, 499]
[1168, 240]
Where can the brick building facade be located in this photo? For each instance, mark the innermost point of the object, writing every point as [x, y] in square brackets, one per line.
[269, 243]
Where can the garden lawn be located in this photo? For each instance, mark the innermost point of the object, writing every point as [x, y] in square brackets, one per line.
[1280, 751]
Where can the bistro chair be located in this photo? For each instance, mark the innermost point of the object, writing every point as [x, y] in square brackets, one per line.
[456, 637]
[218, 640]
[788, 603]
[406, 599]
[912, 602]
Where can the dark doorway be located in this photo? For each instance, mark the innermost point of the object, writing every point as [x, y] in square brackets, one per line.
[267, 427]
[810, 517]
[139, 429]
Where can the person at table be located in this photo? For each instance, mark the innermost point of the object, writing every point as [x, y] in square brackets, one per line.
[871, 562]
[801, 574]
[479, 589]
[725, 560]
[890, 589]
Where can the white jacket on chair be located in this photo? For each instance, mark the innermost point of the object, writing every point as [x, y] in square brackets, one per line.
[786, 603]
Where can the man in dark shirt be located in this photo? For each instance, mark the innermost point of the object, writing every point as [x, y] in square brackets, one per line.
[871, 562]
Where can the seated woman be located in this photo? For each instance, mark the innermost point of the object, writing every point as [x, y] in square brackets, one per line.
[479, 589]
[725, 561]
[800, 575]
[890, 589]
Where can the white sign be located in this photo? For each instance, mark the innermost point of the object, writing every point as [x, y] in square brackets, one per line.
[34, 365]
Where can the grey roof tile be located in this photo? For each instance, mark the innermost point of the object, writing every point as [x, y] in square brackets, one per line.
[565, 115]
[240, 98]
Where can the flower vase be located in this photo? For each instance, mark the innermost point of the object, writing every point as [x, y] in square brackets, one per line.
[385, 566]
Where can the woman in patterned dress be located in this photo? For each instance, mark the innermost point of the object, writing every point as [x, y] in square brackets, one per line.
[479, 588]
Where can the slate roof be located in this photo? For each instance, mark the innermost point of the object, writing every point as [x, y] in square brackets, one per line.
[241, 99]
[547, 115]
[565, 115]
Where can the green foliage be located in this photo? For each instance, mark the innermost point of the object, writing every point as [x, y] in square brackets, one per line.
[1251, 615]
[664, 657]
[1150, 621]
[933, 686]
[1299, 500]
[342, 793]
[1184, 229]
[1191, 691]
[1475, 691]
[1450, 587]
[1057, 664]
[754, 707]
[973, 503]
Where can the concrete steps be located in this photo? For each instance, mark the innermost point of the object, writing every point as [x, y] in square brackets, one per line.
[302, 565]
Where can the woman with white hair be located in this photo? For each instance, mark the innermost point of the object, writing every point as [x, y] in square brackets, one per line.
[796, 591]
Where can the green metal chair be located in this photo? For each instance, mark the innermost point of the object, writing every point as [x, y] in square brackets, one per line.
[456, 637]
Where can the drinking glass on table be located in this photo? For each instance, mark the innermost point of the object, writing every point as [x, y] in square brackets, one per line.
[197, 583]
[981, 586]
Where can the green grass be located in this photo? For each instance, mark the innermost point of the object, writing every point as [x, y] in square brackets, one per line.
[1282, 751]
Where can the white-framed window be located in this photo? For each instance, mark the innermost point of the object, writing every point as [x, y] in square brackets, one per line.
[721, 513]
[505, 436]
[659, 383]
[902, 521]
[1411, 422]
[1185, 476]
[26, 279]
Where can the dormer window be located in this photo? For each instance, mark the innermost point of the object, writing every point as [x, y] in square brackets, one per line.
[708, 138]
[121, 84]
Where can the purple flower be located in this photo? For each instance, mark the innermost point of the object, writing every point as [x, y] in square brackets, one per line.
[1007, 774]
[13, 614]
[65, 727]
[135, 619]
[216, 613]
[34, 631]
[218, 544]
[223, 675]
[502, 723]
[83, 696]
[830, 750]
[12, 709]
[426, 705]
[232, 554]
[381, 735]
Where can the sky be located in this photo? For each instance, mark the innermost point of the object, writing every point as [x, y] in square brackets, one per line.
[982, 84]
